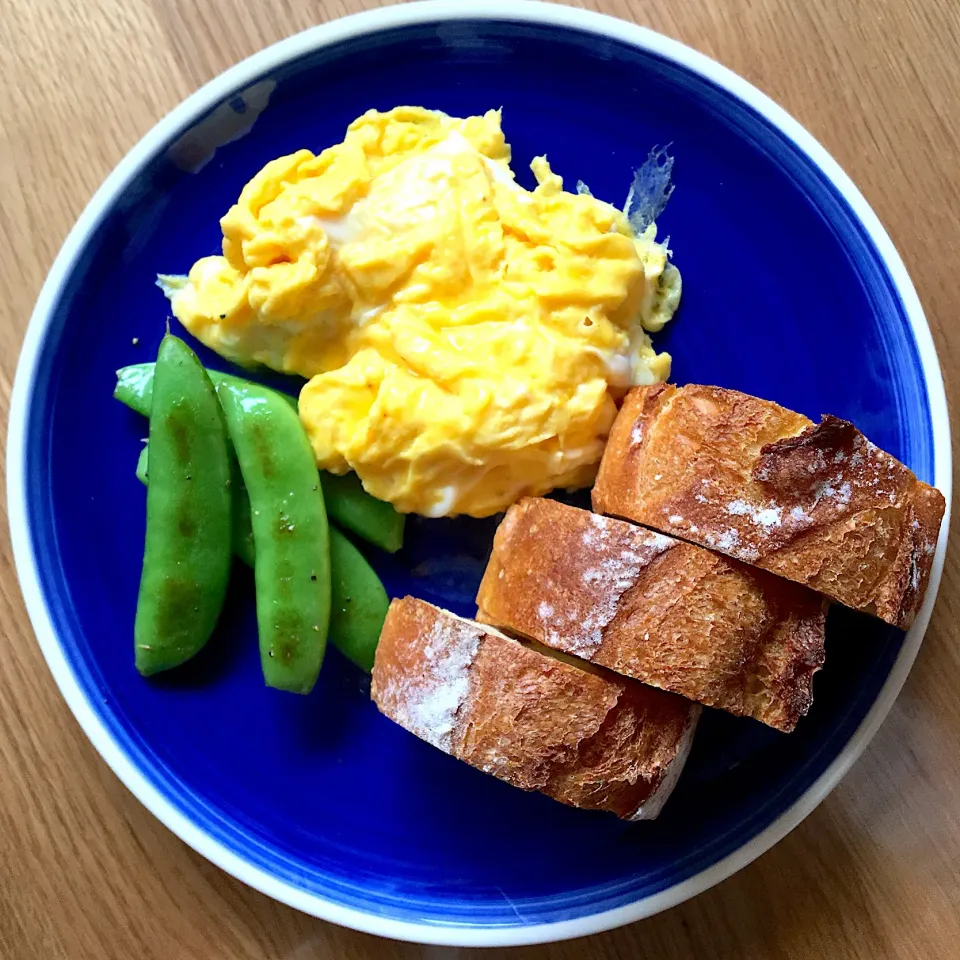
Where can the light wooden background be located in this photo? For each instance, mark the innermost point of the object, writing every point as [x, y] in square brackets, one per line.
[85, 872]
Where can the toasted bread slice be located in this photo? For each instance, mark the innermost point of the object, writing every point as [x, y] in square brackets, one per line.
[815, 503]
[587, 738]
[653, 608]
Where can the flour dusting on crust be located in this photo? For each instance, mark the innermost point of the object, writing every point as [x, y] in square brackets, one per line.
[612, 556]
[427, 703]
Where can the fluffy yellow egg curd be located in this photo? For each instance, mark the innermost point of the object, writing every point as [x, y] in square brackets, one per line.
[464, 338]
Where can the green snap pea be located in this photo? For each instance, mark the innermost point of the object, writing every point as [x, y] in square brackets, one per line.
[134, 387]
[186, 559]
[290, 532]
[143, 465]
[354, 509]
[240, 511]
[358, 601]
[347, 503]
[241, 531]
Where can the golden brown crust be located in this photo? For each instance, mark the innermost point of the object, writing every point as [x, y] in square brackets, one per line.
[665, 612]
[815, 503]
[588, 739]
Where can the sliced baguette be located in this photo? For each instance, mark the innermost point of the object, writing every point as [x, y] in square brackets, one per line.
[653, 608]
[584, 737]
[815, 503]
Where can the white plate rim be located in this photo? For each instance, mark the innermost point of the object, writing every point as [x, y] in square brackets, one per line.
[207, 97]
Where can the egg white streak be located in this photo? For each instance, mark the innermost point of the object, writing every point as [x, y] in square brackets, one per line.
[619, 372]
[366, 316]
[449, 495]
[339, 230]
[641, 374]
[171, 284]
[176, 288]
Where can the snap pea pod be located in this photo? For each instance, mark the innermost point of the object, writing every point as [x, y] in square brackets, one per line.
[354, 509]
[241, 531]
[143, 464]
[134, 387]
[290, 532]
[347, 503]
[186, 558]
[358, 602]
[242, 528]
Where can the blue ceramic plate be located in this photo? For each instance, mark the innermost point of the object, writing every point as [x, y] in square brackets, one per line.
[792, 291]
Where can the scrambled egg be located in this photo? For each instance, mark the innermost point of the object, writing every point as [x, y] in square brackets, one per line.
[464, 339]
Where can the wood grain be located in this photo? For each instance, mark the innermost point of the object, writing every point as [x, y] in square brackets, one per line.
[87, 873]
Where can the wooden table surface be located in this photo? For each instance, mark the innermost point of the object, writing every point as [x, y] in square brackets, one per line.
[86, 872]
